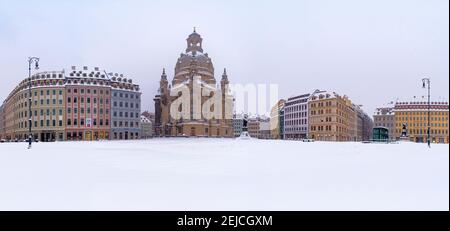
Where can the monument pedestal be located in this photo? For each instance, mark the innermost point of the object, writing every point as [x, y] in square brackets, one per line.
[404, 139]
[245, 136]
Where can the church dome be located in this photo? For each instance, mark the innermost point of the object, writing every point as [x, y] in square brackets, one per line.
[194, 60]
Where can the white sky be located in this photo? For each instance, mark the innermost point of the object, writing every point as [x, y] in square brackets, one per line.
[373, 51]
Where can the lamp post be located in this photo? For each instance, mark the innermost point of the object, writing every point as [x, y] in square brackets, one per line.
[426, 83]
[31, 60]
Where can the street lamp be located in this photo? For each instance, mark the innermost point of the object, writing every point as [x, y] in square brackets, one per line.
[31, 60]
[426, 82]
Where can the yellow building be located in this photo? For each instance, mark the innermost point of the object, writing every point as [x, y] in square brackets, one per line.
[415, 116]
[330, 117]
[47, 108]
[276, 120]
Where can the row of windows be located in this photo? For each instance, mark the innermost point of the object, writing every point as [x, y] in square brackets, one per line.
[42, 103]
[126, 114]
[326, 111]
[321, 104]
[290, 129]
[296, 108]
[42, 92]
[42, 112]
[126, 95]
[423, 118]
[125, 135]
[47, 123]
[119, 124]
[87, 110]
[295, 122]
[384, 124]
[424, 124]
[384, 118]
[424, 131]
[74, 122]
[321, 128]
[422, 113]
[328, 128]
[296, 115]
[126, 104]
[87, 100]
[87, 91]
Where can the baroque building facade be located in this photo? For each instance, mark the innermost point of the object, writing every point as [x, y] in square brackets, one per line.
[414, 115]
[68, 105]
[193, 104]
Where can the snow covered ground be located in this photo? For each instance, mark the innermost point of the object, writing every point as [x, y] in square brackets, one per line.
[223, 174]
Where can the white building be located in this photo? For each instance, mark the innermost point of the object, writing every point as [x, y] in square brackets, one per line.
[264, 128]
[296, 117]
[146, 128]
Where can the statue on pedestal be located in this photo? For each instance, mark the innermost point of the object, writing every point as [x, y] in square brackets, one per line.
[404, 136]
[244, 134]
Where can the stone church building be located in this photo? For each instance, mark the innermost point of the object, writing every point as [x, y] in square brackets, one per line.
[194, 75]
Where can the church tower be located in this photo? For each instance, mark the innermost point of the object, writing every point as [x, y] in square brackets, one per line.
[194, 71]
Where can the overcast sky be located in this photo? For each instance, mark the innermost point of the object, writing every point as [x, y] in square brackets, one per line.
[373, 51]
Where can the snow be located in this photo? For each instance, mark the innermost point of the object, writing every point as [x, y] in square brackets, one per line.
[223, 174]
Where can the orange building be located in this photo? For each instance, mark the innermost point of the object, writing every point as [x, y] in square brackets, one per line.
[414, 115]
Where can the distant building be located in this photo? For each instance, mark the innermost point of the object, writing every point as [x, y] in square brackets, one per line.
[277, 120]
[87, 103]
[2, 124]
[296, 117]
[125, 108]
[333, 117]
[146, 128]
[384, 117]
[264, 128]
[414, 114]
[253, 127]
[281, 130]
[238, 122]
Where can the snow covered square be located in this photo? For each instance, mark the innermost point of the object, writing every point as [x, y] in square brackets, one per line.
[223, 174]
